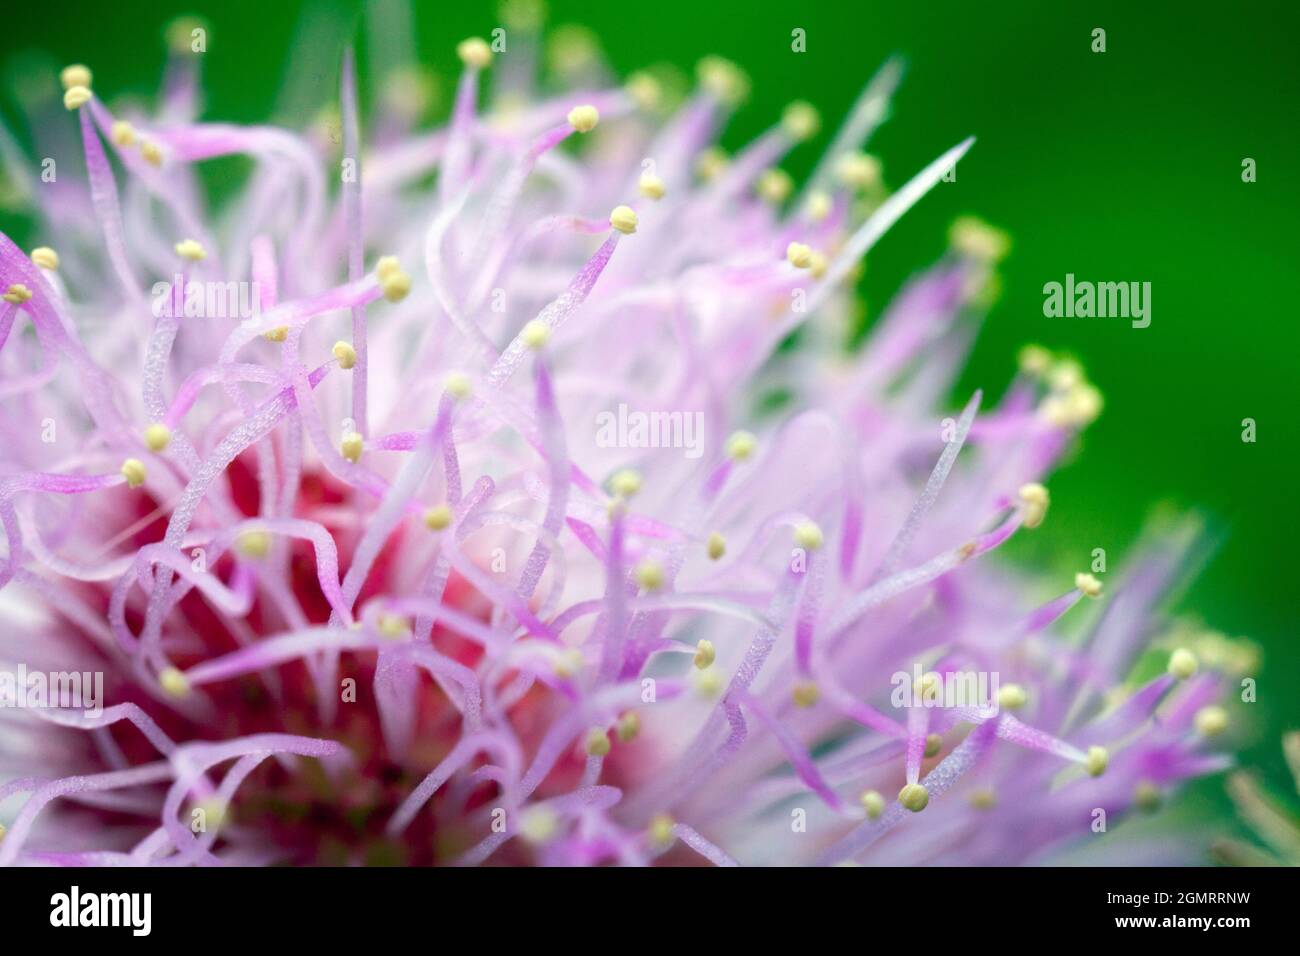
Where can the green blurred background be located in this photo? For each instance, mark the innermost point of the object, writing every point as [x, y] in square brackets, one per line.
[1124, 165]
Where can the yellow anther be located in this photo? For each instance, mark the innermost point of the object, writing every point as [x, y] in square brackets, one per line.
[774, 185]
[799, 255]
[708, 682]
[722, 78]
[393, 625]
[873, 802]
[1088, 584]
[1065, 375]
[75, 97]
[858, 170]
[458, 385]
[157, 436]
[584, 118]
[277, 334]
[983, 799]
[1097, 760]
[817, 264]
[808, 535]
[133, 471]
[597, 742]
[351, 446]
[740, 445]
[474, 52]
[623, 218]
[1012, 697]
[711, 163]
[650, 575]
[173, 682]
[930, 681]
[535, 334]
[253, 545]
[1146, 797]
[1211, 721]
[717, 546]
[1034, 500]
[345, 353]
[629, 725]
[806, 694]
[538, 825]
[818, 207]
[651, 186]
[976, 239]
[568, 663]
[705, 654]
[661, 829]
[17, 294]
[1182, 663]
[123, 133]
[45, 257]
[387, 266]
[914, 797]
[625, 483]
[645, 90]
[801, 120]
[395, 286]
[1034, 360]
[151, 152]
[437, 518]
[191, 249]
[933, 744]
[75, 75]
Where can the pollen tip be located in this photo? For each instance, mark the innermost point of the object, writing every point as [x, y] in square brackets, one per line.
[584, 118]
[395, 285]
[277, 334]
[1146, 797]
[914, 797]
[46, 258]
[1088, 584]
[538, 825]
[624, 219]
[723, 79]
[123, 133]
[705, 654]
[806, 694]
[650, 575]
[351, 446]
[74, 75]
[774, 185]
[976, 239]
[474, 52]
[1034, 360]
[740, 445]
[1097, 761]
[801, 121]
[1211, 721]
[17, 293]
[535, 334]
[1012, 697]
[661, 829]
[651, 186]
[437, 518]
[1034, 500]
[873, 802]
[1182, 663]
[799, 255]
[151, 152]
[393, 626]
[645, 90]
[157, 436]
[458, 385]
[568, 663]
[983, 799]
[629, 725]
[345, 353]
[191, 249]
[933, 744]
[253, 545]
[710, 163]
[717, 546]
[598, 742]
[76, 96]
[708, 682]
[818, 207]
[808, 535]
[625, 483]
[173, 682]
[858, 170]
[134, 473]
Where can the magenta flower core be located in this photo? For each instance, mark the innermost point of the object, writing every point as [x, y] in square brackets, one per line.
[507, 493]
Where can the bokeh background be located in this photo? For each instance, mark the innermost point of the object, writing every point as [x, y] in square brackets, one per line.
[1116, 166]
